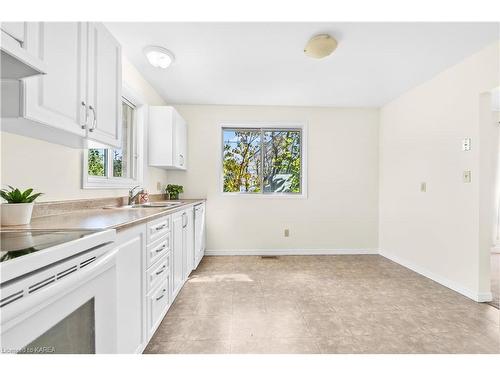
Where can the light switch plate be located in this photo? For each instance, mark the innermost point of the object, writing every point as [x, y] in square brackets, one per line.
[466, 144]
[467, 177]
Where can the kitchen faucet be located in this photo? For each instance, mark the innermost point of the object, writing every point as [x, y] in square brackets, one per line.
[132, 196]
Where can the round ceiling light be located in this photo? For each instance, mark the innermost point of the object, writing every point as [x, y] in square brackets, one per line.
[159, 57]
[320, 46]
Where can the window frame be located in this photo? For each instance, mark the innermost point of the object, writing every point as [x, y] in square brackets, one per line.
[109, 182]
[264, 125]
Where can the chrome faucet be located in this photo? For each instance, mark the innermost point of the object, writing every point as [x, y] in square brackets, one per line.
[132, 196]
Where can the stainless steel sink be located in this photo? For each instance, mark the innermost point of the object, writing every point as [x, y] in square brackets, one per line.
[146, 205]
[158, 204]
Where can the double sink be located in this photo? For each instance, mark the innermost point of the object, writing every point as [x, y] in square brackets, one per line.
[146, 205]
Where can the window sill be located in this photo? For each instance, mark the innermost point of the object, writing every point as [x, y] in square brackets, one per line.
[111, 183]
[265, 196]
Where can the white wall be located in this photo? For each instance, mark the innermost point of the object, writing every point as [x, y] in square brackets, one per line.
[341, 210]
[441, 232]
[56, 170]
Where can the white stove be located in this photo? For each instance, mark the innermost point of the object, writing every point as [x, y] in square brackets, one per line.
[58, 291]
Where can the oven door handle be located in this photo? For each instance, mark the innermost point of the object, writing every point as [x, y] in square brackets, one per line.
[31, 304]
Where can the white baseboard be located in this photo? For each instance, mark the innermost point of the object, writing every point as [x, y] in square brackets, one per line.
[478, 297]
[484, 297]
[291, 251]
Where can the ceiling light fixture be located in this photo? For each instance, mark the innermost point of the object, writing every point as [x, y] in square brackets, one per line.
[159, 57]
[320, 46]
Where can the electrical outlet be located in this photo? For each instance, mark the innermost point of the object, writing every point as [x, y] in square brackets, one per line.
[467, 177]
[423, 187]
[287, 232]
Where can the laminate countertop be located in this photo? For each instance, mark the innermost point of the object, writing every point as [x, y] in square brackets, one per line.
[102, 218]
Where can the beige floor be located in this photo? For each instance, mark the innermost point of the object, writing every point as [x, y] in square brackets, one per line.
[321, 304]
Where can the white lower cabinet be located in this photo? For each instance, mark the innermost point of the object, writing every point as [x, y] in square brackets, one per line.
[156, 273]
[131, 285]
[182, 248]
[158, 302]
[189, 242]
[199, 233]
[177, 253]
[154, 261]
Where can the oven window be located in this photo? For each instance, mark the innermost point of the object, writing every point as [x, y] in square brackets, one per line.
[74, 334]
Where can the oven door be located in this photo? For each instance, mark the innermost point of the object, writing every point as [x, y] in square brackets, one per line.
[74, 314]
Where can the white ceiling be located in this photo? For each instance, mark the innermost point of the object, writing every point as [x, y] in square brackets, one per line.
[264, 63]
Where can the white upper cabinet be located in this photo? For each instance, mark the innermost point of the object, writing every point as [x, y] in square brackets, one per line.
[16, 61]
[56, 99]
[104, 90]
[16, 30]
[79, 96]
[167, 138]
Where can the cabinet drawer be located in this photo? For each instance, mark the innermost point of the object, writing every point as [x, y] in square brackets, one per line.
[158, 271]
[158, 302]
[158, 228]
[158, 249]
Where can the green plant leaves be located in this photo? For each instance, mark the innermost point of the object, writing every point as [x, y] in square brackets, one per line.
[174, 189]
[17, 196]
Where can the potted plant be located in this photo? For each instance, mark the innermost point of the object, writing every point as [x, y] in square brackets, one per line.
[19, 206]
[173, 191]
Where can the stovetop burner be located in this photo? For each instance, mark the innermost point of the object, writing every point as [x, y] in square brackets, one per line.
[15, 244]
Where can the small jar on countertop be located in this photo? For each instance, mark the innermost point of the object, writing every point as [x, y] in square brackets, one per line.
[143, 197]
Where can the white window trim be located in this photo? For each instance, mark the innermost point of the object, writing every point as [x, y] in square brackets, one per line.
[264, 125]
[141, 111]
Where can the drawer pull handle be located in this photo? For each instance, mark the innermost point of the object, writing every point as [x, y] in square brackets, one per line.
[161, 270]
[163, 295]
[161, 248]
[160, 227]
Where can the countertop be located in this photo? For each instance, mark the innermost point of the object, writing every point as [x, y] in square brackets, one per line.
[101, 218]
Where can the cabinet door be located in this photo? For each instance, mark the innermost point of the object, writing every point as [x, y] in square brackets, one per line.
[158, 303]
[55, 99]
[180, 137]
[104, 87]
[131, 293]
[177, 253]
[189, 241]
[16, 30]
[199, 233]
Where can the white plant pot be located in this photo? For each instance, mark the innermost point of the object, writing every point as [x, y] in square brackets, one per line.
[16, 213]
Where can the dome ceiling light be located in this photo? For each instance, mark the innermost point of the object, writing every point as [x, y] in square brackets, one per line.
[320, 46]
[159, 57]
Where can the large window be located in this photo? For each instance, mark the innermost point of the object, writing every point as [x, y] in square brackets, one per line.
[117, 167]
[263, 160]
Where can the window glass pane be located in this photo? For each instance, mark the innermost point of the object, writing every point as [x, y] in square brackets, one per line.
[123, 157]
[282, 161]
[242, 160]
[97, 161]
[117, 163]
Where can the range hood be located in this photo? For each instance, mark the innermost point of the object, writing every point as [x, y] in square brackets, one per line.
[16, 62]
